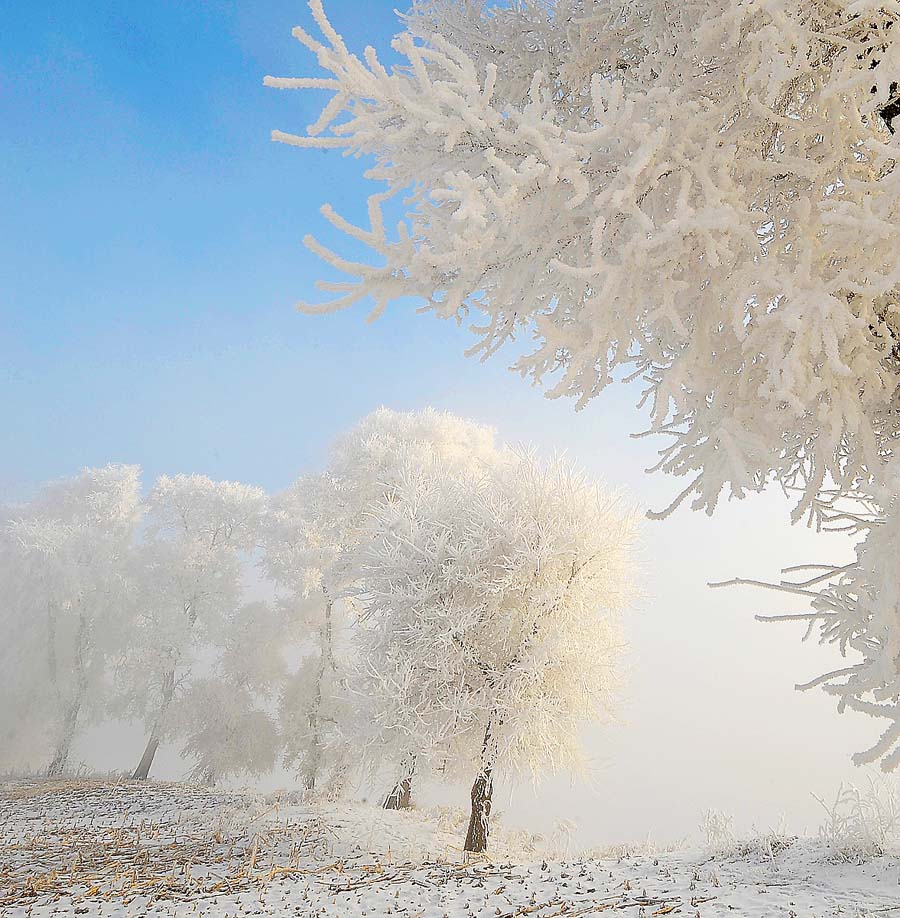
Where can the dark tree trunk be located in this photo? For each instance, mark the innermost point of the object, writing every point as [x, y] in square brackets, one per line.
[142, 772]
[479, 820]
[482, 790]
[400, 797]
[58, 765]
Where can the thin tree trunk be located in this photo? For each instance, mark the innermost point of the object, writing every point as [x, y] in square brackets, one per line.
[314, 756]
[51, 647]
[400, 797]
[70, 720]
[63, 747]
[142, 772]
[326, 659]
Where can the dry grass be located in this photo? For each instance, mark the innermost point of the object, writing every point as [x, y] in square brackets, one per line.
[78, 838]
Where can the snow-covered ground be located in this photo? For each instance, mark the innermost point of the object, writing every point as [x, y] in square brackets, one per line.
[94, 848]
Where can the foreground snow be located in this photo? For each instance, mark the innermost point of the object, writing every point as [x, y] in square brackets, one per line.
[92, 848]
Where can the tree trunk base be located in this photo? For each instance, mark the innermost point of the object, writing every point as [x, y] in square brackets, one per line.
[142, 772]
[400, 797]
[479, 820]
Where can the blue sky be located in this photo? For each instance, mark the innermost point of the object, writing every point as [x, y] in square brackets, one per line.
[150, 256]
[151, 239]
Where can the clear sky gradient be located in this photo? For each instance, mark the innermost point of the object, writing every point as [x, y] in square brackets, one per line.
[150, 257]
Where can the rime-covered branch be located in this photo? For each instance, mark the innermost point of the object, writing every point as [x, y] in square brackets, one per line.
[702, 194]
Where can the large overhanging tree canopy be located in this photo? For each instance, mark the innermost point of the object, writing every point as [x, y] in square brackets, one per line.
[701, 195]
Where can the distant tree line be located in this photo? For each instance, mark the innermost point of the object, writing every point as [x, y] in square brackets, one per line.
[431, 602]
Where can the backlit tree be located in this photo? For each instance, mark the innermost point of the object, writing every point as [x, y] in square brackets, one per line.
[189, 582]
[314, 528]
[491, 603]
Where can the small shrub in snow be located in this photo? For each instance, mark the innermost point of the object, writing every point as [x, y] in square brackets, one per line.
[723, 841]
[718, 829]
[862, 822]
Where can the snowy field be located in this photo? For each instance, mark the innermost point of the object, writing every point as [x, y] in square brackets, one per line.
[92, 848]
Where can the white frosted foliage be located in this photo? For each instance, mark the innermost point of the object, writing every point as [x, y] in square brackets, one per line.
[188, 588]
[311, 536]
[491, 620]
[64, 614]
[700, 194]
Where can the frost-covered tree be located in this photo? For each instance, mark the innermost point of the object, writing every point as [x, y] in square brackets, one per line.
[855, 607]
[299, 548]
[314, 527]
[228, 716]
[491, 600]
[702, 195]
[65, 609]
[188, 576]
[227, 731]
[17, 611]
